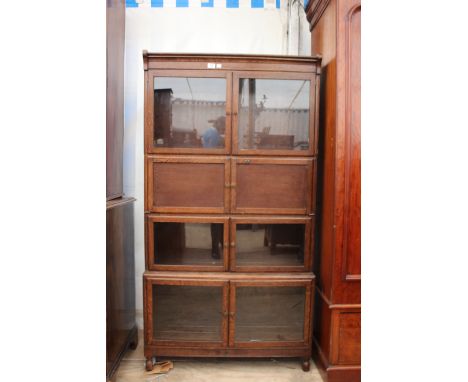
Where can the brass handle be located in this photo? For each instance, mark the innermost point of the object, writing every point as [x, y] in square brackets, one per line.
[233, 244]
[247, 161]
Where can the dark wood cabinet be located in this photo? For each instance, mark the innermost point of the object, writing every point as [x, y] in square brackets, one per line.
[230, 180]
[115, 54]
[121, 330]
[336, 35]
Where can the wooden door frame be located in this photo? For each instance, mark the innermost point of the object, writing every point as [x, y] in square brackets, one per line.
[187, 159]
[313, 122]
[153, 218]
[148, 283]
[149, 113]
[309, 223]
[310, 201]
[308, 308]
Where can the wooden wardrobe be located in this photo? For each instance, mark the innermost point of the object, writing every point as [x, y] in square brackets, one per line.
[336, 35]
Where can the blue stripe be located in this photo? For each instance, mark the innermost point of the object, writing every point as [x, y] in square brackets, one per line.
[131, 4]
[305, 3]
[206, 4]
[257, 4]
[232, 3]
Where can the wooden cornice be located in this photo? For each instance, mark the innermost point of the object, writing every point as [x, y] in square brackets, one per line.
[314, 11]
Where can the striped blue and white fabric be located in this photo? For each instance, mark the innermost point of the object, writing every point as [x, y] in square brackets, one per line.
[263, 4]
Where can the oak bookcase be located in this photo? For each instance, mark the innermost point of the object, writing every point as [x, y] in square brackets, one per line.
[230, 194]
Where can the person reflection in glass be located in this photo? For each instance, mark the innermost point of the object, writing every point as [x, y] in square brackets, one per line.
[211, 138]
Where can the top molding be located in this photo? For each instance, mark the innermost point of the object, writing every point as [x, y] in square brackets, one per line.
[314, 11]
[230, 62]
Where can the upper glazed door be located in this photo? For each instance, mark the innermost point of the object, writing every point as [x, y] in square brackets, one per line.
[188, 111]
[274, 113]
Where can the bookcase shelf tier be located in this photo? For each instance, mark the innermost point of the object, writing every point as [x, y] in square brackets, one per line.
[230, 180]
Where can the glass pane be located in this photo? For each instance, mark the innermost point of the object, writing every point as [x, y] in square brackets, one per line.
[189, 112]
[274, 114]
[269, 314]
[188, 243]
[187, 313]
[270, 244]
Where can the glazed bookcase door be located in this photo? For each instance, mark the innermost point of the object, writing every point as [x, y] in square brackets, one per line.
[188, 111]
[186, 312]
[271, 244]
[191, 184]
[187, 243]
[274, 113]
[272, 185]
[269, 314]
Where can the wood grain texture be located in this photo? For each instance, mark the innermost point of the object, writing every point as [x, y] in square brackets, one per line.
[335, 26]
[234, 62]
[271, 185]
[115, 97]
[188, 184]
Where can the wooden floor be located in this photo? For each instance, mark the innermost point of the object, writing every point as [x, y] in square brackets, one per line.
[216, 370]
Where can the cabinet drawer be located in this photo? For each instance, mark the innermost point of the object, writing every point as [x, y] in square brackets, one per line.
[197, 243]
[271, 244]
[272, 186]
[188, 184]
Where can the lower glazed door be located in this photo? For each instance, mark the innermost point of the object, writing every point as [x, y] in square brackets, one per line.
[186, 313]
[267, 314]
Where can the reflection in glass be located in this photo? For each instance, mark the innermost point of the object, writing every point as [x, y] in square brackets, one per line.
[274, 114]
[189, 112]
[188, 243]
[187, 313]
[270, 244]
[269, 314]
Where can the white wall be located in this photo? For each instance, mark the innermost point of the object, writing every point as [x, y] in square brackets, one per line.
[192, 30]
